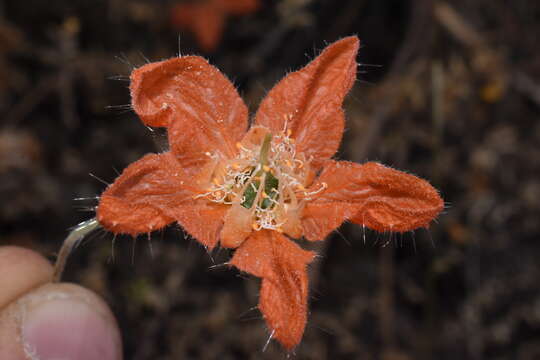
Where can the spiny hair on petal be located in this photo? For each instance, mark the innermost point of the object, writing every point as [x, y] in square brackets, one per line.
[253, 308]
[112, 257]
[87, 208]
[134, 237]
[120, 109]
[146, 60]
[125, 60]
[219, 266]
[341, 235]
[119, 78]
[99, 179]
[388, 237]
[86, 198]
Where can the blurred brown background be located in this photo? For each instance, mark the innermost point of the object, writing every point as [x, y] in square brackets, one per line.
[454, 98]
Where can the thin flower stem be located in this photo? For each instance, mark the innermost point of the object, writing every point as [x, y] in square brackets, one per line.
[79, 232]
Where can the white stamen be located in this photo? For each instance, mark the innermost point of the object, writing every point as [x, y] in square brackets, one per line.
[233, 177]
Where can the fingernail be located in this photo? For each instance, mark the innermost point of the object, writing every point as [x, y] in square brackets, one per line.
[68, 329]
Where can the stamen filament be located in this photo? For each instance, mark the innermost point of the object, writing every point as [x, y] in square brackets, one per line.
[266, 180]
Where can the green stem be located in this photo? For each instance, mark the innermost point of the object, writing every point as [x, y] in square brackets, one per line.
[70, 242]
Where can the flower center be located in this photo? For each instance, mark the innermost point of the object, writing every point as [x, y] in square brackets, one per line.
[266, 178]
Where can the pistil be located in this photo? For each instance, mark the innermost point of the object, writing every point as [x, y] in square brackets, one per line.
[265, 149]
[255, 190]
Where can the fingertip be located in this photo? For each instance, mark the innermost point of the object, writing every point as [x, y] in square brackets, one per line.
[22, 270]
[60, 321]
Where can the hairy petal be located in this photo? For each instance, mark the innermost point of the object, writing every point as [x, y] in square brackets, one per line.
[199, 106]
[283, 304]
[122, 217]
[282, 265]
[202, 220]
[308, 102]
[254, 137]
[154, 192]
[237, 226]
[371, 194]
[132, 203]
[320, 218]
[257, 253]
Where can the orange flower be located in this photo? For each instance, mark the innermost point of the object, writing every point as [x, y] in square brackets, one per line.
[254, 189]
[206, 18]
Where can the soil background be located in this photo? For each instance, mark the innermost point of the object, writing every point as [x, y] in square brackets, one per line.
[449, 91]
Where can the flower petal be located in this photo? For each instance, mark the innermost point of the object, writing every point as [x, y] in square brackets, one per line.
[372, 194]
[195, 101]
[202, 220]
[252, 257]
[121, 217]
[154, 192]
[132, 204]
[237, 226]
[283, 304]
[205, 20]
[282, 265]
[308, 102]
[254, 137]
[320, 218]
